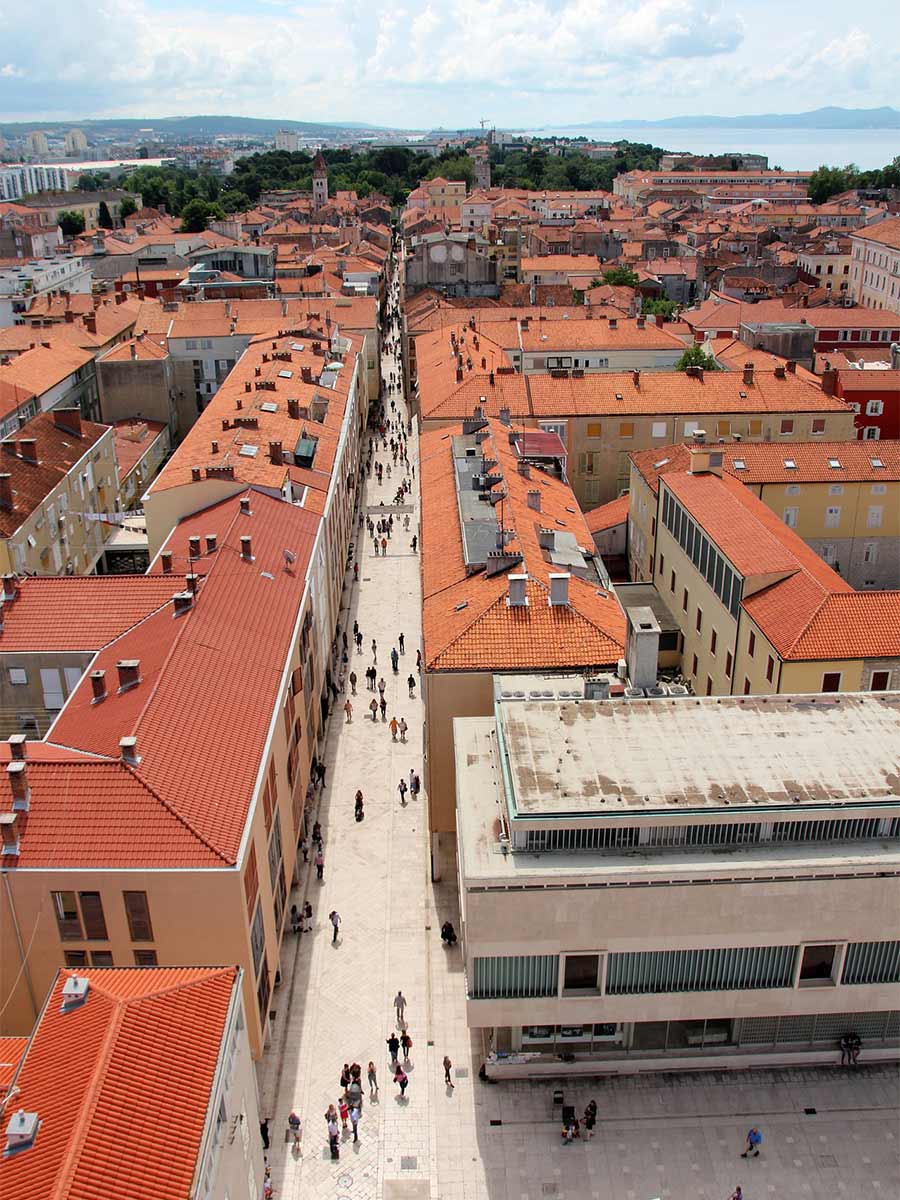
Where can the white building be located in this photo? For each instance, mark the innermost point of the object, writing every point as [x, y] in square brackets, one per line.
[287, 139]
[23, 179]
[678, 882]
[76, 142]
[876, 265]
[21, 284]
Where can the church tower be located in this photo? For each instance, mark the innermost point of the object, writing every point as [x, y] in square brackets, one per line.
[481, 154]
[320, 181]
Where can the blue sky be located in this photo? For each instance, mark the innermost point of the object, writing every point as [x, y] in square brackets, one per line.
[419, 63]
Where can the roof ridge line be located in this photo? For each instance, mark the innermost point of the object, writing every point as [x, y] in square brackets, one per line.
[173, 811]
[475, 618]
[128, 1001]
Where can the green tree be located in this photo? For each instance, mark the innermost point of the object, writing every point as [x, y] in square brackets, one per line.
[660, 308]
[826, 182]
[696, 356]
[104, 216]
[234, 202]
[197, 214]
[620, 277]
[459, 166]
[87, 183]
[127, 208]
[71, 223]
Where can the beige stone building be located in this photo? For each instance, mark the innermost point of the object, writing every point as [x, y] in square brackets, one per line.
[875, 270]
[58, 477]
[641, 888]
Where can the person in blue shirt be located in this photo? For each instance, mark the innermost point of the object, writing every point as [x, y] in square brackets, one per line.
[754, 1141]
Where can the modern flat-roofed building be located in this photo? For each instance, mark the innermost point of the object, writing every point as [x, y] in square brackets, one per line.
[678, 883]
[118, 1059]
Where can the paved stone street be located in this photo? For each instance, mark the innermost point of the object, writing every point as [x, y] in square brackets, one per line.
[676, 1136]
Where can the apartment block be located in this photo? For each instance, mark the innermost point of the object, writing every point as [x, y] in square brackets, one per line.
[625, 867]
[509, 581]
[21, 284]
[759, 610]
[144, 1051]
[58, 374]
[875, 258]
[58, 479]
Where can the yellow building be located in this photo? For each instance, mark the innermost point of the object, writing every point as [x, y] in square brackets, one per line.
[57, 477]
[444, 193]
[759, 611]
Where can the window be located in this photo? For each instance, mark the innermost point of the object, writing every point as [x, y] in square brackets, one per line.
[101, 958]
[818, 425]
[257, 938]
[626, 429]
[92, 916]
[870, 552]
[878, 489]
[817, 965]
[67, 918]
[662, 564]
[787, 426]
[831, 681]
[873, 520]
[137, 911]
[684, 599]
[723, 428]
[881, 681]
[728, 664]
[690, 427]
[76, 958]
[746, 687]
[145, 958]
[790, 516]
[594, 429]
[754, 428]
[51, 683]
[871, 433]
[17, 676]
[658, 429]
[751, 643]
[874, 408]
[770, 668]
[836, 489]
[698, 620]
[832, 516]
[581, 973]
[713, 639]
[694, 666]
[792, 489]
[672, 583]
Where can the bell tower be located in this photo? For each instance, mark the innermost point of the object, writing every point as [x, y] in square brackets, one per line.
[320, 181]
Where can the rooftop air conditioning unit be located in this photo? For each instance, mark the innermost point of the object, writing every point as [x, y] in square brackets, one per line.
[678, 689]
[633, 693]
[657, 690]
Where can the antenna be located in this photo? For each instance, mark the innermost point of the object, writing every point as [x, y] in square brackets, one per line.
[289, 558]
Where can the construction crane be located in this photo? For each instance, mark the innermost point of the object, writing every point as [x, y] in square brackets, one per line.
[484, 121]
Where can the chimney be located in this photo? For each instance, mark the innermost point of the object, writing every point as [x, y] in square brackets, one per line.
[504, 416]
[69, 317]
[6, 495]
[90, 322]
[829, 380]
[133, 349]
[294, 410]
[559, 589]
[183, 602]
[459, 374]
[275, 452]
[129, 673]
[10, 588]
[247, 548]
[17, 774]
[18, 746]
[748, 374]
[641, 322]
[9, 446]
[192, 582]
[636, 378]
[534, 500]
[547, 539]
[128, 751]
[245, 506]
[195, 474]
[779, 372]
[516, 596]
[194, 546]
[68, 420]
[613, 323]
[28, 450]
[98, 686]
[165, 561]
[791, 367]
[210, 540]
[9, 829]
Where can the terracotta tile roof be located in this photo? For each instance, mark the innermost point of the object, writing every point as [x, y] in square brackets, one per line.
[730, 314]
[596, 334]
[204, 675]
[141, 1054]
[854, 380]
[852, 625]
[765, 463]
[11, 1051]
[41, 369]
[146, 349]
[608, 516]
[585, 263]
[467, 624]
[57, 451]
[884, 233]
[133, 439]
[81, 613]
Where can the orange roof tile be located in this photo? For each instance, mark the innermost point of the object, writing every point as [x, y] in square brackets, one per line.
[884, 233]
[11, 1051]
[141, 1054]
[133, 439]
[608, 516]
[40, 369]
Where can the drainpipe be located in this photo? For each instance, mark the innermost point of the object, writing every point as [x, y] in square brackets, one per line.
[22, 955]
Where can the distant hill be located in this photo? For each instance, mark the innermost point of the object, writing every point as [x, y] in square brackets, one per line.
[209, 126]
[819, 118]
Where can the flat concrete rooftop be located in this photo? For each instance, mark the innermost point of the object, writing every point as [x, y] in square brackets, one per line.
[607, 757]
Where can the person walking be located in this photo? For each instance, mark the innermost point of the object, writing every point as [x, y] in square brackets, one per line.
[448, 1067]
[372, 1077]
[320, 865]
[359, 641]
[381, 687]
[304, 849]
[414, 543]
[401, 1079]
[382, 704]
[373, 708]
[406, 1044]
[374, 651]
[335, 918]
[411, 684]
[307, 917]
[403, 729]
[358, 806]
[590, 1118]
[384, 539]
[737, 1194]
[401, 643]
[395, 659]
[393, 728]
[393, 1045]
[419, 660]
[402, 789]
[754, 1141]
[333, 1135]
[354, 1122]
[348, 709]
[352, 683]
[264, 1133]
[400, 1008]
[295, 1127]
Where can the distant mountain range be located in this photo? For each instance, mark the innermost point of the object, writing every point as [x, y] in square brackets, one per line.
[208, 126]
[819, 118]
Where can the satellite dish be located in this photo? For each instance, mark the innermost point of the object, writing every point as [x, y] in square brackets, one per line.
[289, 558]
